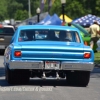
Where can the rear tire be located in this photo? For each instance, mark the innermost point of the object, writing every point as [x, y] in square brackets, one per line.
[78, 78]
[17, 76]
[9, 75]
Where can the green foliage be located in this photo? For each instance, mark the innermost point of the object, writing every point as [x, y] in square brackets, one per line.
[18, 9]
[97, 57]
[3, 10]
[75, 9]
[21, 15]
[12, 7]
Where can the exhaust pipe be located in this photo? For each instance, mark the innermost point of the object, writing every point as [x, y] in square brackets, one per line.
[44, 76]
[57, 76]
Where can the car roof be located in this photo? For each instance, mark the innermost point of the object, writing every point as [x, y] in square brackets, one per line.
[8, 26]
[47, 27]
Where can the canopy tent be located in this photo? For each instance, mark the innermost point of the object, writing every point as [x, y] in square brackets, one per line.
[54, 20]
[44, 20]
[67, 19]
[32, 20]
[87, 20]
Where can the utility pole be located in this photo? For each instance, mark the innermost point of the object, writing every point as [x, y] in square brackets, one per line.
[29, 8]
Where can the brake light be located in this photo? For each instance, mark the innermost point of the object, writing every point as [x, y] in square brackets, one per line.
[17, 53]
[1, 26]
[87, 55]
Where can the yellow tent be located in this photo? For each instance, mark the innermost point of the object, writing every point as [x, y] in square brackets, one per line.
[67, 19]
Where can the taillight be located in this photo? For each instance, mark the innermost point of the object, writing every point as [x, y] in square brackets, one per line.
[87, 54]
[17, 53]
[1, 26]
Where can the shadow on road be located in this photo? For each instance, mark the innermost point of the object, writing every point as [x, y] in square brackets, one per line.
[47, 82]
[38, 82]
[1, 53]
[2, 71]
[95, 73]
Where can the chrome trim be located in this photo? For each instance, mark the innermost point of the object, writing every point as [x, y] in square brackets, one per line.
[25, 64]
[86, 66]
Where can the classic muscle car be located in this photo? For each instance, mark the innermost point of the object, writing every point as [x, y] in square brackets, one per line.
[48, 51]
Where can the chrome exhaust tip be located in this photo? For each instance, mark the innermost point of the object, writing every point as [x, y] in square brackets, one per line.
[57, 76]
[44, 76]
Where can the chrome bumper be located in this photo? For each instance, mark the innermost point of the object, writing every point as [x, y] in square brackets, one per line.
[86, 66]
[26, 64]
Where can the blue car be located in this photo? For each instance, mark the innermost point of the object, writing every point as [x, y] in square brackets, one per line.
[48, 51]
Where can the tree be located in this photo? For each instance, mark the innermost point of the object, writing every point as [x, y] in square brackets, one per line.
[21, 15]
[73, 8]
[3, 10]
[12, 7]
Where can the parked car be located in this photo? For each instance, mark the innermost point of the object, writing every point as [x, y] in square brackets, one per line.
[59, 52]
[85, 35]
[6, 33]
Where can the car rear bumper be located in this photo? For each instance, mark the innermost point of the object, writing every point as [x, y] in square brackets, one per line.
[2, 47]
[86, 66]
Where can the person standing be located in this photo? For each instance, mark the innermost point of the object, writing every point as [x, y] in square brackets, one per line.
[95, 33]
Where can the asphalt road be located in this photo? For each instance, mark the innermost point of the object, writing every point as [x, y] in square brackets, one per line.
[49, 89]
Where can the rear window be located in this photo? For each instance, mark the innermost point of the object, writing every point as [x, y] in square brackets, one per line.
[48, 35]
[7, 31]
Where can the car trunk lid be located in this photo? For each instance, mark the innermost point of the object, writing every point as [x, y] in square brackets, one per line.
[52, 51]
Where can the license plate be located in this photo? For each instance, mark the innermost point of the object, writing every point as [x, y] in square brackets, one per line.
[2, 47]
[52, 64]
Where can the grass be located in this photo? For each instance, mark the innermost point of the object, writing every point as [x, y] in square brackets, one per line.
[97, 57]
